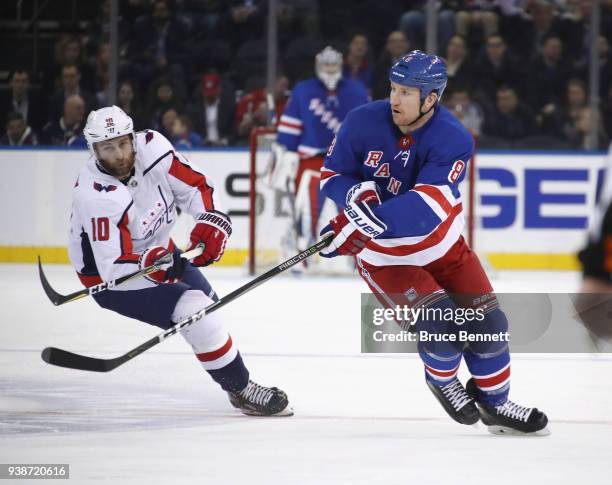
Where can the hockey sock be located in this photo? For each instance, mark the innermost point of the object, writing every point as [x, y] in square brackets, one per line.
[489, 361]
[212, 345]
[440, 355]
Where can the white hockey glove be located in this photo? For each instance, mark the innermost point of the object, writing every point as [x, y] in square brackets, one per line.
[367, 192]
[282, 168]
[355, 225]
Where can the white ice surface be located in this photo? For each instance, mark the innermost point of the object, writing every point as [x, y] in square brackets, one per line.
[359, 419]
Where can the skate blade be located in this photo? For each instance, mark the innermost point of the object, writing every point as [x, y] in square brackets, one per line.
[288, 411]
[504, 431]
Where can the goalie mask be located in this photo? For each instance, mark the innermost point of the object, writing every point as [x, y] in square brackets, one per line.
[328, 66]
[106, 124]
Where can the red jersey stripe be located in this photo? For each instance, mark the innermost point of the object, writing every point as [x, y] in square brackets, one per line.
[188, 175]
[216, 354]
[437, 195]
[89, 281]
[290, 125]
[442, 373]
[494, 380]
[125, 239]
[325, 174]
[434, 238]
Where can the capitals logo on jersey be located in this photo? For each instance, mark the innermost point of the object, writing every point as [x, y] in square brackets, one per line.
[103, 188]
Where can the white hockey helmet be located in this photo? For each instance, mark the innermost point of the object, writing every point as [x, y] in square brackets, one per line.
[328, 66]
[106, 124]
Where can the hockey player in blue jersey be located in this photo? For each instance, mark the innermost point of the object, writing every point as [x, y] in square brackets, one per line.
[395, 168]
[313, 115]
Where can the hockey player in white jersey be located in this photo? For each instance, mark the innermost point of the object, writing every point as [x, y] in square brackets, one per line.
[125, 203]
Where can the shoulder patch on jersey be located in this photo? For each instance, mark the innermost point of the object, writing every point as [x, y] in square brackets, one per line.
[148, 136]
[103, 188]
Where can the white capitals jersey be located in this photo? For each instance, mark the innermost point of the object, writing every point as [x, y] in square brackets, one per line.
[113, 222]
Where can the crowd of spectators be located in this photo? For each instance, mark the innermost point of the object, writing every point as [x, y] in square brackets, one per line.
[195, 69]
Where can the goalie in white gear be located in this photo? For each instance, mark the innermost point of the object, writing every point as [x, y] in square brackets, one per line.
[313, 115]
[125, 203]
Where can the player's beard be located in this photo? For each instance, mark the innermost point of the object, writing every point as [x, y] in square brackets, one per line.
[121, 169]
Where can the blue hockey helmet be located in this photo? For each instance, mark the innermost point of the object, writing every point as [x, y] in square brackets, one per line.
[420, 70]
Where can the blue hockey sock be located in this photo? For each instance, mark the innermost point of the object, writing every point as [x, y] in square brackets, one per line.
[441, 358]
[489, 361]
[233, 377]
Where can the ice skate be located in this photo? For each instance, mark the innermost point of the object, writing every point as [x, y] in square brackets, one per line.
[456, 402]
[509, 418]
[257, 400]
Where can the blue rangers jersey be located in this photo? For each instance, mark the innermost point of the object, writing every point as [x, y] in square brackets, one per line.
[418, 175]
[313, 114]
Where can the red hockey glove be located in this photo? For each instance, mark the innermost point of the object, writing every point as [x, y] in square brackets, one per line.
[213, 230]
[170, 271]
[353, 228]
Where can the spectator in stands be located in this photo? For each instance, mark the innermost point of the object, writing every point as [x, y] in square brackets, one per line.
[99, 31]
[102, 75]
[476, 18]
[162, 97]
[548, 74]
[68, 52]
[605, 66]
[497, 68]
[281, 97]
[21, 99]
[395, 48]
[165, 124]
[356, 63]
[412, 23]
[561, 120]
[247, 21]
[297, 17]
[583, 131]
[71, 85]
[511, 119]
[128, 102]
[466, 110]
[159, 46]
[212, 110]
[68, 129]
[251, 111]
[460, 68]
[183, 135]
[18, 133]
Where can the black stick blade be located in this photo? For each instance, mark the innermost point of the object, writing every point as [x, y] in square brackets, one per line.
[53, 295]
[63, 358]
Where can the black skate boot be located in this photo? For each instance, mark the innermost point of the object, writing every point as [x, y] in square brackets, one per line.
[257, 400]
[456, 402]
[509, 418]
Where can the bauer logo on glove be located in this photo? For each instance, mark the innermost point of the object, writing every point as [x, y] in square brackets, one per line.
[353, 228]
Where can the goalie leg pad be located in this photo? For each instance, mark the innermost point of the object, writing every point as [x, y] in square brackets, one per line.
[211, 343]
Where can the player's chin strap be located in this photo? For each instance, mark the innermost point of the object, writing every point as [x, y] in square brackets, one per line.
[421, 114]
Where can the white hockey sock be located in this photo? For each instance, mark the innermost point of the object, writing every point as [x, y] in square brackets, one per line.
[210, 341]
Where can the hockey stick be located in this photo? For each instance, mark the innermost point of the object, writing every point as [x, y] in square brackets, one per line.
[63, 358]
[58, 299]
